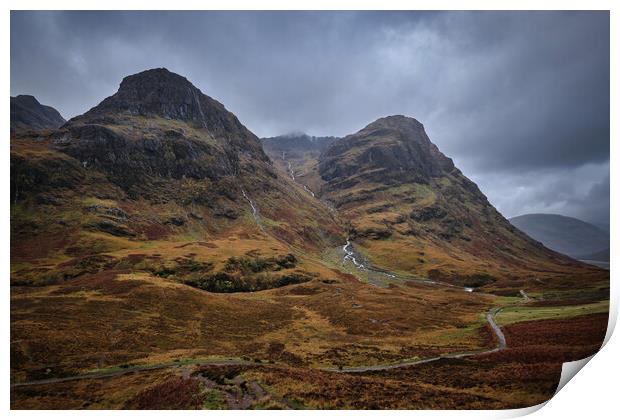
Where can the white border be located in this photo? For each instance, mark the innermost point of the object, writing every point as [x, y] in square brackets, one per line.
[592, 395]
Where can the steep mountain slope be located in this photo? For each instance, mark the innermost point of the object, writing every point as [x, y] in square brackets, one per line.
[28, 114]
[297, 155]
[295, 144]
[410, 209]
[566, 235]
[157, 161]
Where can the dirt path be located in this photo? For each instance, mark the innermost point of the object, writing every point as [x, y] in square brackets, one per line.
[134, 369]
[490, 319]
[358, 369]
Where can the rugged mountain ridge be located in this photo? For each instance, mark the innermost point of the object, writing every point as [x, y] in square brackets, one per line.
[410, 209]
[28, 114]
[158, 123]
[159, 93]
[158, 160]
[389, 147]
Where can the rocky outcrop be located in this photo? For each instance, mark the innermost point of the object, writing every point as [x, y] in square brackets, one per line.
[161, 93]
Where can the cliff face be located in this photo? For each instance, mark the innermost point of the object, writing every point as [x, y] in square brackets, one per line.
[161, 94]
[390, 147]
[160, 125]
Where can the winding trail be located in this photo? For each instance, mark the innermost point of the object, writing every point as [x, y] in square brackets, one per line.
[133, 369]
[357, 369]
[501, 344]
[490, 317]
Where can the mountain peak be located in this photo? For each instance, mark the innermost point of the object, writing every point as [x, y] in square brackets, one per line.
[402, 127]
[397, 121]
[390, 147]
[161, 93]
[27, 113]
[155, 79]
[26, 99]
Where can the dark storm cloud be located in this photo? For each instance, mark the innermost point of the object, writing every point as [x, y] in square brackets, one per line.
[520, 100]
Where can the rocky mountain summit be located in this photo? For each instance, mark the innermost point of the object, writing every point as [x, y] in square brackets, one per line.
[390, 147]
[28, 114]
[159, 93]
[159, 124]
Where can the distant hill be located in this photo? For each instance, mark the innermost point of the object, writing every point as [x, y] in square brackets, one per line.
[602, 226]
[596, 256]
[28, 114]
[567, 235]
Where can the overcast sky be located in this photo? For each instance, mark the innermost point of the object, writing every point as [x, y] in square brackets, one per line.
[520, 100]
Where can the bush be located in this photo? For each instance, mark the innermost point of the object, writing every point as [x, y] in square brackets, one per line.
[247, 265]
[222, 282]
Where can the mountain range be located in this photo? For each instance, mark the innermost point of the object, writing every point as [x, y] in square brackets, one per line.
[170, 159]
[566, 235]
[163, 256]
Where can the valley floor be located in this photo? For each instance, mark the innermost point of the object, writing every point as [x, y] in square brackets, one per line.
[126, 338]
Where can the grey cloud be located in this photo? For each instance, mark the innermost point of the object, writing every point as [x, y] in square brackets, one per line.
[506, 94]
[581, 192]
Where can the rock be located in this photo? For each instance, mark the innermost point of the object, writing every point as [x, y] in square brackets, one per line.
[111, 228]
[176, 221]
[109, 211]
[427, 213]
[395, 147]
[372, 233]
[226, 212]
